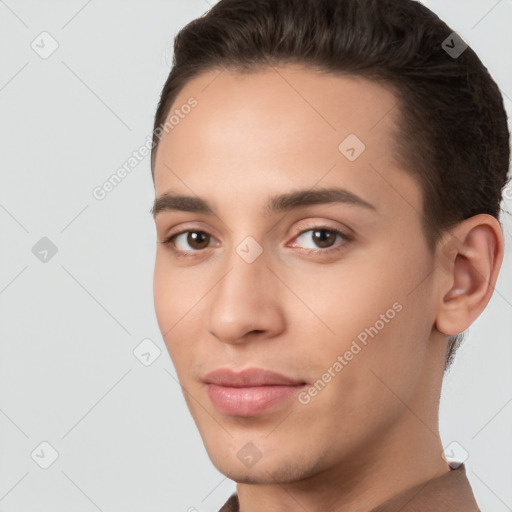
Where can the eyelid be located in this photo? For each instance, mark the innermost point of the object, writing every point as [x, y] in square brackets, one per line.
[321, 224]
[184, 228]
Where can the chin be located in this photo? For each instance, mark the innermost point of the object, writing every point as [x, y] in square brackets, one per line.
[263, 472]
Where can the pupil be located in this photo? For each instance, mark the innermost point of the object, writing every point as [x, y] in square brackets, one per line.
[323, 239]
[195, 238]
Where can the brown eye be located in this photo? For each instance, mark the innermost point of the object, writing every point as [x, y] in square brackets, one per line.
[188, 241]
[196, 239]
[322, 238]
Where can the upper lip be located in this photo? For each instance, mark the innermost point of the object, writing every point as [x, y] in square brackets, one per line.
[249, 377]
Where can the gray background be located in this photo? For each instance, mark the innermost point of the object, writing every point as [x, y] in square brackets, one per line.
[68, 326]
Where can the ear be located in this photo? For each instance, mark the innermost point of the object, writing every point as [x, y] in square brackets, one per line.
[470, 258]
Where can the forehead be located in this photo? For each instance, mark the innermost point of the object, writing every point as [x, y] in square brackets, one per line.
[280, 126]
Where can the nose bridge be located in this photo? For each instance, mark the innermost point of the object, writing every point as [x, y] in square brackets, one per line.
[245, 299]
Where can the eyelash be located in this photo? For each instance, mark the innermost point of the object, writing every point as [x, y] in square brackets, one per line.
[169, 241]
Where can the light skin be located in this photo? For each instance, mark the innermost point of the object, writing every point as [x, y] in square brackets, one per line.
[372, 432]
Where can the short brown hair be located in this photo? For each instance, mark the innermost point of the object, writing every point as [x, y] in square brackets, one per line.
[453, 133]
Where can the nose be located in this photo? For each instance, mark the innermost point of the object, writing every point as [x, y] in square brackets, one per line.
[246, 304]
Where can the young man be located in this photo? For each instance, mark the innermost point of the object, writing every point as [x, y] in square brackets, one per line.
[328, 179]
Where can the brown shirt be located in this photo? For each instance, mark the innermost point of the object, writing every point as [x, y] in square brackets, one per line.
[450, 492]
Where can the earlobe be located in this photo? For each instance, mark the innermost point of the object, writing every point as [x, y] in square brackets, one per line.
[470, 270]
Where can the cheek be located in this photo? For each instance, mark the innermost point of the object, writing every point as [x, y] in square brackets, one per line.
[346, 299]
[170, 303]
[380, 302]
[389, 316]
[178, 296]
[173, 291]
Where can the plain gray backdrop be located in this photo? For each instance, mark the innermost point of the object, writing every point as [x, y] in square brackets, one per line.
[79, 85]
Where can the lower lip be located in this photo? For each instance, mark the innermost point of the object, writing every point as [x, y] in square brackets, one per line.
[249, 401]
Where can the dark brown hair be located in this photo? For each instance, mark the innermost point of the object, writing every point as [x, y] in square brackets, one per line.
[452, 127]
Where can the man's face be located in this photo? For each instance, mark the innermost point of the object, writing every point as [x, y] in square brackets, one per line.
[346, 316]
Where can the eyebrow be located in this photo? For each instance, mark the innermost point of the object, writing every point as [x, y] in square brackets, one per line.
[276, 204]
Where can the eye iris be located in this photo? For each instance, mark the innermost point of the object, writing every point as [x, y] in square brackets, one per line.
[195, 237]
[324, 241]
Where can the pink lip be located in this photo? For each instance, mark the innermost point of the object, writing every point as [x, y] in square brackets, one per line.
[249, 392]
[248, 378]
